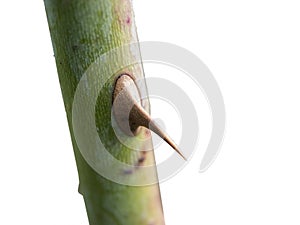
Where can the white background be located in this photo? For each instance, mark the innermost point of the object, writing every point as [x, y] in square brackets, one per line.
[253, 50]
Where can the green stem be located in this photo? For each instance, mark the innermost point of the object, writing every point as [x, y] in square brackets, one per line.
[82, 31]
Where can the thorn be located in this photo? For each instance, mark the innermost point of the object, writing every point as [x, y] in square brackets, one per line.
[129, 113]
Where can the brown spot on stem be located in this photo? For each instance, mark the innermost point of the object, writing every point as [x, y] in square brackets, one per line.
[128, 20]
[147, 133]
[141, 160]
[127, 172]
[75, 47]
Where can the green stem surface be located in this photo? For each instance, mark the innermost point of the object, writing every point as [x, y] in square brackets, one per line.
[81, 31]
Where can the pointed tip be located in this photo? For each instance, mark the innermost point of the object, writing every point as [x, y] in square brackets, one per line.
[155, 128]
[175, 147]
